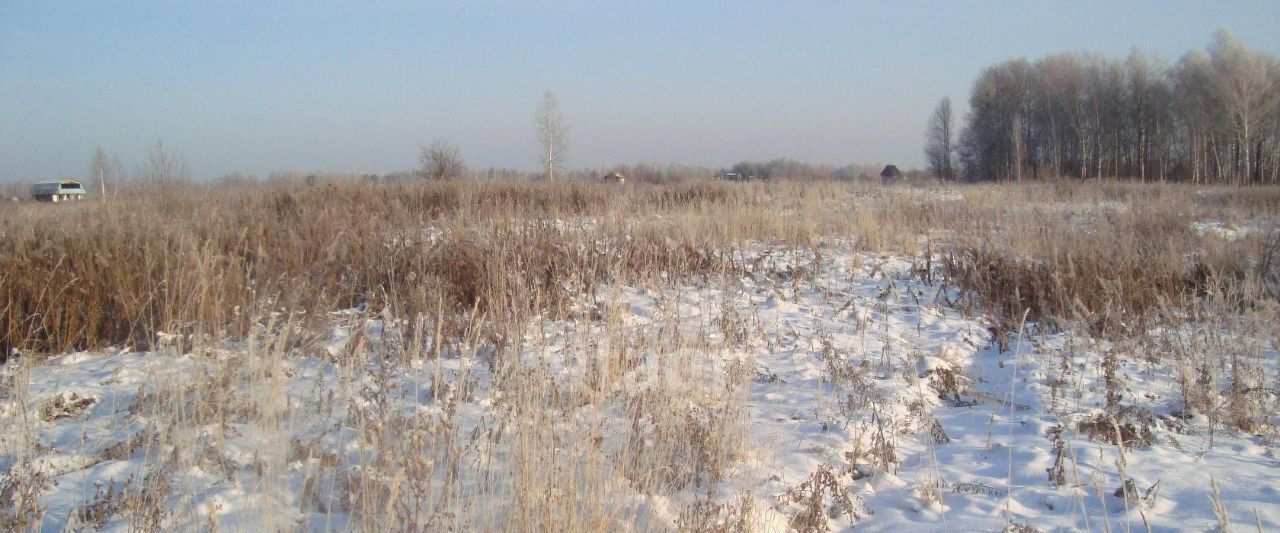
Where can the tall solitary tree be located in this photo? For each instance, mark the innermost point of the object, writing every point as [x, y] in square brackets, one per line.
[552, 133]
[938, 136]
[99, 169]
[104, 170]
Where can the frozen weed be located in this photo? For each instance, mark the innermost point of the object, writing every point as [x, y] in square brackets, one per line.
[20, 489]
[822, 498]
[708, 516]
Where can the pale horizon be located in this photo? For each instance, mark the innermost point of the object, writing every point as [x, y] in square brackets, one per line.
[243, 87]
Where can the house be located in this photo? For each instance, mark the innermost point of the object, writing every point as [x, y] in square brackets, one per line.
[890, 174]
[614, 177]
[57, 191]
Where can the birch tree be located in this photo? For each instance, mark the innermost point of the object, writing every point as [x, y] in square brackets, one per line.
[552, 133]
[104, 170]
[1213, 117]
[99, 168]
[1245, 83]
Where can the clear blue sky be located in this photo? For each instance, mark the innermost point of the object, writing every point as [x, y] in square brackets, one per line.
[360, 86]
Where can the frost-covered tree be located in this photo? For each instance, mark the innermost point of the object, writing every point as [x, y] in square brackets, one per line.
[1213, 117]
[553, 133]
[938, 141]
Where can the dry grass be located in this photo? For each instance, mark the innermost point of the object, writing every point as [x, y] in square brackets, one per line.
[206, 265]
[460, 270]
[1108, 257]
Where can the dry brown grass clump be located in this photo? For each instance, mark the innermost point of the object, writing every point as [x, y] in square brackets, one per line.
[203, 265]
[1107, 256]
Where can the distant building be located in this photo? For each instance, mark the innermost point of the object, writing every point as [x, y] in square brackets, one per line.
[57, 191]
[735, 176]
[890, 174]
[614, 177]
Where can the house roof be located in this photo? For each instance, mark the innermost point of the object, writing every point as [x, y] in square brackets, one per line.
[60, 187]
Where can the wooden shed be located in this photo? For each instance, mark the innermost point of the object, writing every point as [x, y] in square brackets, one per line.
[890, 174]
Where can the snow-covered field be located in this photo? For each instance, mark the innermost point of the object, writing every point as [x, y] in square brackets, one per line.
[835, 389]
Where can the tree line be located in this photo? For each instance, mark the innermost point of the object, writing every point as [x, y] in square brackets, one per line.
[1212, 117]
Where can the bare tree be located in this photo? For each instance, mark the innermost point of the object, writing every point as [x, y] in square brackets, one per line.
[118, 175]
[552, 133]
[99, 167]
[990, 146]
[104, 169]
[1141, 83]
[1015, 133]
[938, 141]
[440, 161]
[164, 169]
[1214, 117]
[1246, 84]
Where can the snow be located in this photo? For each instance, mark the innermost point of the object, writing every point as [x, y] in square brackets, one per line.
[846, 353]
[1232, 231]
